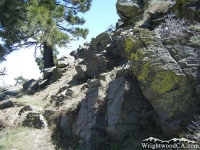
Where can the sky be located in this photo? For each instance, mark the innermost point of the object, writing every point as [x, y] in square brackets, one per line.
[22, 62]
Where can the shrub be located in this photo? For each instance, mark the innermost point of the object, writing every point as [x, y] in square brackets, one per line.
[173, 28]
[194, 130]
[110, 28]
[195, 39]
[195, 28]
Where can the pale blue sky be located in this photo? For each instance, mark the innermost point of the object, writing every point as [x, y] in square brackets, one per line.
[98, 18]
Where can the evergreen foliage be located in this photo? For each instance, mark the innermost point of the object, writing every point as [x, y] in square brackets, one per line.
[20, 80]
[42, 23]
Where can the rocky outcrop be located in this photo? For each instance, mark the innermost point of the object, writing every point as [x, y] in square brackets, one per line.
[135, 77]
[96, 46]
[127, 81]
[113, 106]
[162, 78]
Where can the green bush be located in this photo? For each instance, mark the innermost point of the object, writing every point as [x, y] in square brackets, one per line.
[194, 28]
[195, 39]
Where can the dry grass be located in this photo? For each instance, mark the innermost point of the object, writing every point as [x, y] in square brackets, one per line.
[30, 100]
[23, 138]
[14, 137]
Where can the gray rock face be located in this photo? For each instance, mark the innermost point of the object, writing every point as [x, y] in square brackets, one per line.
[81, 71]
[66, 60]
[56, 74]
[87, 121]
[30, 86]
[188, 59]
[65, 124]
[124, 104]
[111, 107]
[115, 98]
[96, 65]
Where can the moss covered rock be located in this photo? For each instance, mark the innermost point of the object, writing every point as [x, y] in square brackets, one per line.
[161, 79]
[128, 10]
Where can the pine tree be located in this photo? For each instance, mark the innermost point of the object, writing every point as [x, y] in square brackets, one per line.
[42, 23]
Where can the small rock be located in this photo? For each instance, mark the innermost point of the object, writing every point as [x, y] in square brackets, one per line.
[66, 60]
[44, 83]
[48, 72]
[63, 87]
[30, 108]
[48, 114]
[68, 91]
[35, 120]
[6, 105]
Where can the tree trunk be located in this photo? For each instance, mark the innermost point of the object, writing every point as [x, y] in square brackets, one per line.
[48, 56]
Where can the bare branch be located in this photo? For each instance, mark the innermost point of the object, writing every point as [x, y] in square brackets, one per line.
[3, 71]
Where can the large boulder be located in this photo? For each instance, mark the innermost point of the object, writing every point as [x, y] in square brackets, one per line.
[129, 12]
[162, 81]
[96, 65]
[30, 86]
